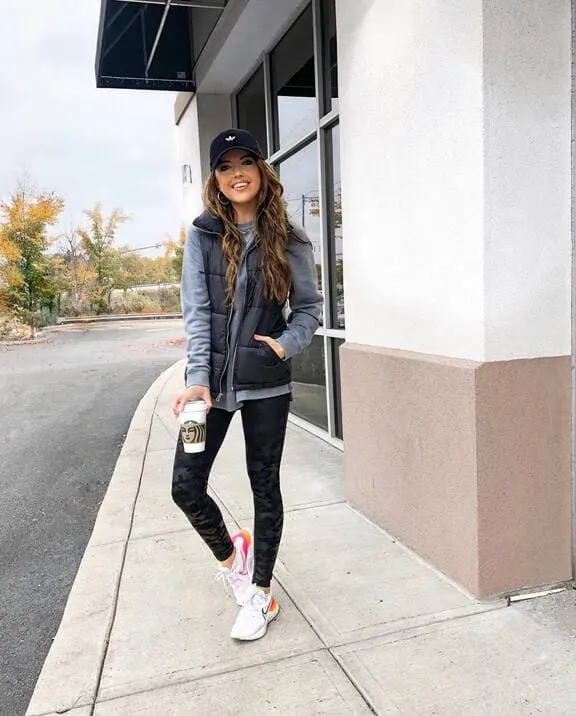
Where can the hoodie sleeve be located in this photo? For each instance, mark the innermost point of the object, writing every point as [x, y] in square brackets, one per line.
[305, 299]
[196, 311]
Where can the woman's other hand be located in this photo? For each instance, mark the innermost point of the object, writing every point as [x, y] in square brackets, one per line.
[192, 392]
[276, 347]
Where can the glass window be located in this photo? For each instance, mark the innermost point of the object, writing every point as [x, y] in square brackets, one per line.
[336, 343]
[335, 227]
[309, 384]
[293, 82]
[252, 108]
[299, 177]
[330, 55]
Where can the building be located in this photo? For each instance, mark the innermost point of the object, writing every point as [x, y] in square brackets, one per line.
[427, 149]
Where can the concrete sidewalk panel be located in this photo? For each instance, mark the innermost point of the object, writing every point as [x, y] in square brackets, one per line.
[173, 620]
[155, 511]
[309, 684]
[556, 612]
[69, 677]
[173, 386]
[136, 442]
[353, 582]
[129, 466]
[169, 422]
[161, 438]
[82, 711]
[312, 473]
[137, 436]
[115, 514]
[501, 662]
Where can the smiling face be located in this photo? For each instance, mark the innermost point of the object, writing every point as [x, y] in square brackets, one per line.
[238, 178]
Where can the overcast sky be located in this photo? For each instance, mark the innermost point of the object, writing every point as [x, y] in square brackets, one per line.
[89, 145]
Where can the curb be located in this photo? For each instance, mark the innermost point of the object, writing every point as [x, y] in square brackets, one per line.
[40, 338]
[118, 317]
[71, 672]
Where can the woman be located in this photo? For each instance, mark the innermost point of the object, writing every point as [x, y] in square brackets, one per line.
[242, 261]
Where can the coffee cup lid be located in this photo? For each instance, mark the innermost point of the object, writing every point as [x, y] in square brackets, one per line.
[195, 403]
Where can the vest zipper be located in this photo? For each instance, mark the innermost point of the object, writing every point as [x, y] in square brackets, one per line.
[244, 260]
[220, 394]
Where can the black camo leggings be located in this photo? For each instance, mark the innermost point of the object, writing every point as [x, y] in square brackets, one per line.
[264, 422]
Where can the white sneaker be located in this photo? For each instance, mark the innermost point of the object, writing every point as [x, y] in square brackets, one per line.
[254, 616]
[239, 576]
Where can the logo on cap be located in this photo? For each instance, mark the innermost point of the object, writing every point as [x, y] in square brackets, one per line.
[231, 138]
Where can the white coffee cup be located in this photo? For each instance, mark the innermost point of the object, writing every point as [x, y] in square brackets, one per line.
[193, 426]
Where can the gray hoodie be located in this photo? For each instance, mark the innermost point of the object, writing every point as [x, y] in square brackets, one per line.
[305, 304]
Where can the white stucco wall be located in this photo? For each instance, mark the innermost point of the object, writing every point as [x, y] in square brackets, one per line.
[411, 134]
[189, 154]
[205, 116]
[527, 82]
[455, 131]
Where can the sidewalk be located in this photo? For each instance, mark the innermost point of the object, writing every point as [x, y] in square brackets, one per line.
[365, 626]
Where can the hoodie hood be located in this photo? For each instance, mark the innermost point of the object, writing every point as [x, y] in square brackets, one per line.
[210, 224]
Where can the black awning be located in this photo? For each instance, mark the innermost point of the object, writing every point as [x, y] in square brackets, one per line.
[149, 44]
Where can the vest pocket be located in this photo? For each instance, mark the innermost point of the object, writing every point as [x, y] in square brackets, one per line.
[259, 366]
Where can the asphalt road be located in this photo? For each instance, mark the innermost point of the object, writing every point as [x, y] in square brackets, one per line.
[65, 407]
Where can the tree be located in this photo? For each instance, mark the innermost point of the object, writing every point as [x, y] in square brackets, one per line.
[25, 281]
[72, 270]
[98, 242]
[175, 253]
[137, 270]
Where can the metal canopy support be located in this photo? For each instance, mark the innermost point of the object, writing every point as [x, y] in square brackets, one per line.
[158, 34]
[147, 44]
[200, 4]
[124, 30]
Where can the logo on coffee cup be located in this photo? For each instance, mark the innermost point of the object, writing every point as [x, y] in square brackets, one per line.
[193, 433]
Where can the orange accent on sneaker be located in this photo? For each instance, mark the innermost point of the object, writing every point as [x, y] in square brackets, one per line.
[247, 536]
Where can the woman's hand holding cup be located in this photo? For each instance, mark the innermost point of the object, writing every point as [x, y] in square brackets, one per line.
[192, 392]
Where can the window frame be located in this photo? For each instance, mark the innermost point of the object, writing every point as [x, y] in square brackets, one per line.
[326, 121]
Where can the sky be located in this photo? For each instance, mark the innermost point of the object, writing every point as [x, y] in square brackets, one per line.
[86, 144]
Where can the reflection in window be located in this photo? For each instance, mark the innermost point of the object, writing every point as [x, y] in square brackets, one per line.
[330, 55]
[309, 384]
[252, 108]
[335, 228]
[293, 82]
[299, 176]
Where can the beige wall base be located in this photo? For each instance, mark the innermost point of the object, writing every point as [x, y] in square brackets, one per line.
[467, 463]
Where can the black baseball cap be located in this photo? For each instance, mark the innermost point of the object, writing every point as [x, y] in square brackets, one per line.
[233, 139]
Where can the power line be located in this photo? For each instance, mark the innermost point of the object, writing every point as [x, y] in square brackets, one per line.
[142, 248]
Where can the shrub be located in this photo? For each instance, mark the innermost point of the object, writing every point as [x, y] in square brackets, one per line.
[11, 329]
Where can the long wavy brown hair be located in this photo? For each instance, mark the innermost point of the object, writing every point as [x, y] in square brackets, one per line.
[271, 230]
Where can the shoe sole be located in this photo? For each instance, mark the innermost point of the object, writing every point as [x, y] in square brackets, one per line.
[259, 634]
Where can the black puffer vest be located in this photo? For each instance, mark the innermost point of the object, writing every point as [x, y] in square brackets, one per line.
[254, 364]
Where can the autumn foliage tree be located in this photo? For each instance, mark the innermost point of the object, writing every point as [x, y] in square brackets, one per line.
[97, 240]
[174, 253]
[27, 281]
[74, 272]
